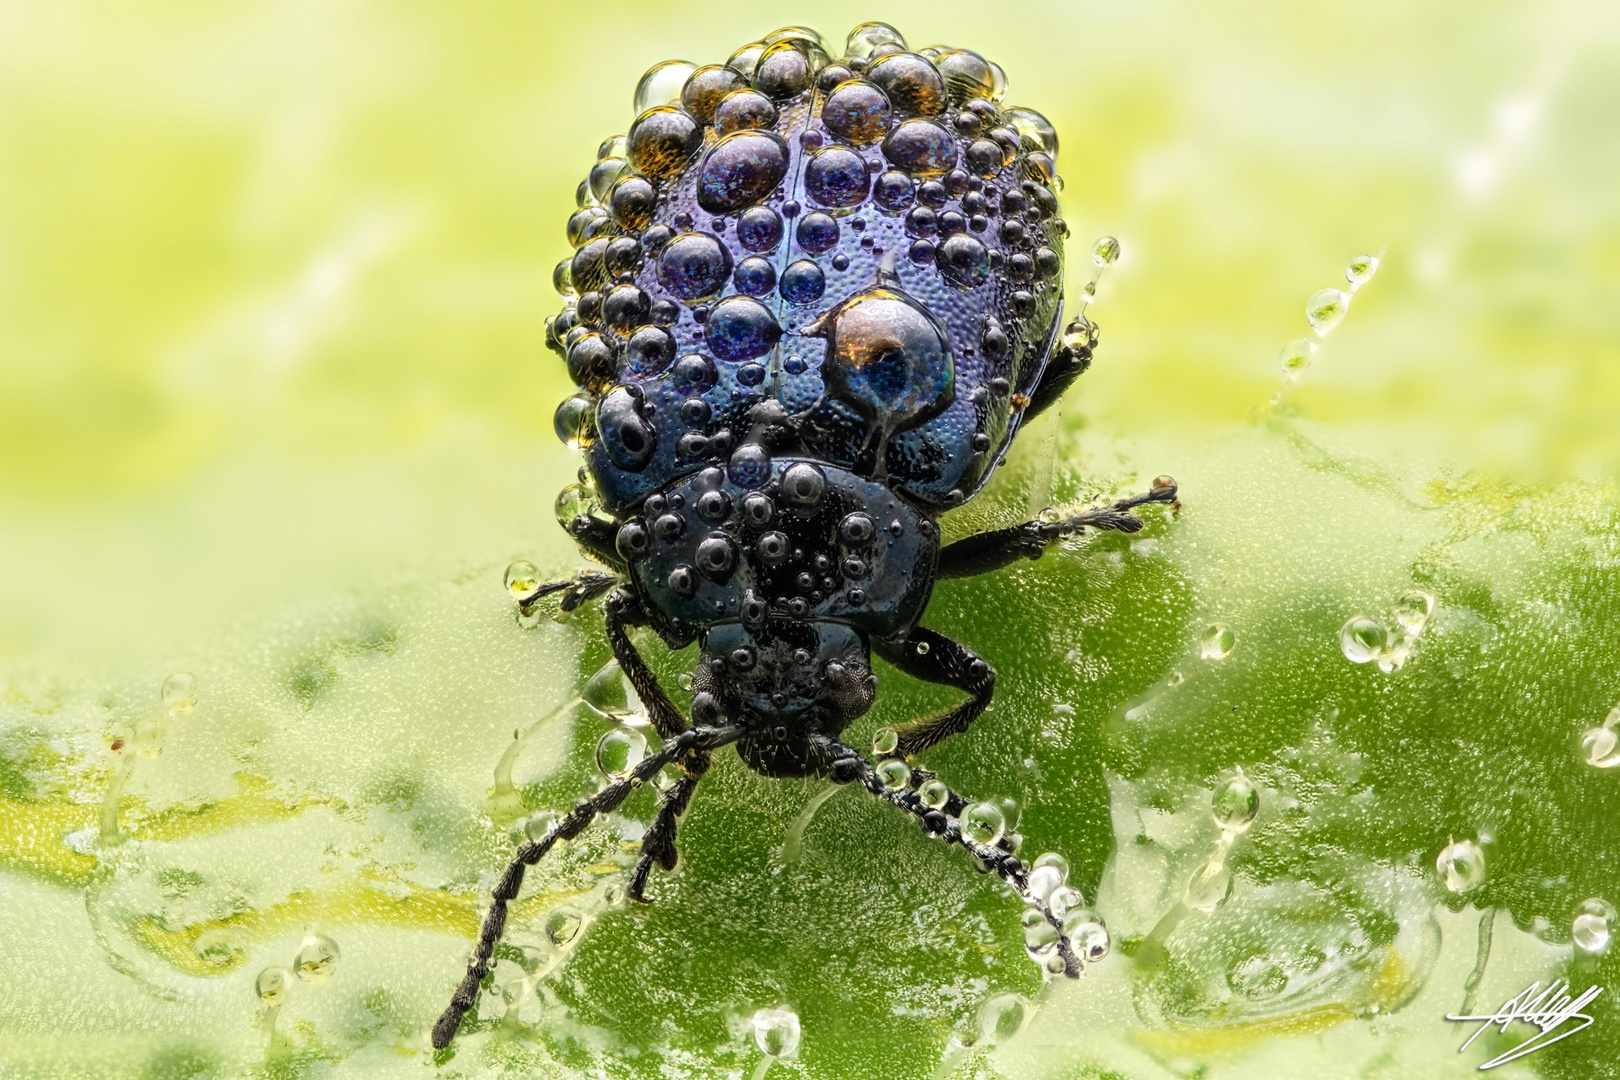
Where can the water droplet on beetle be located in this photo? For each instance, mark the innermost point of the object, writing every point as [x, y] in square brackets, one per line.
[662, 84]
[982, 823]
[894, 773]
[522, 578]
[620, 751]
[1326, 310]
[179, 692]
[538, 825]
[1362, 639]
[273, 985]
[1216, 642]
[935, 794]
[1040, 936]
[1064, 898]
[1236, 804]
[1210, 886]
[884, 740]
[1461, 865]
[317, 959]
[776, 1032]
[1087, 934]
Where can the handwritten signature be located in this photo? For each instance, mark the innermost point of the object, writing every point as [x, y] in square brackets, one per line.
[1547, 1009]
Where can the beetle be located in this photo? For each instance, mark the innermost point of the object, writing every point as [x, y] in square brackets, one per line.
[811, 302]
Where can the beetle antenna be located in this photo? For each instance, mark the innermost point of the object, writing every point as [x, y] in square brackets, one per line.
[531, 851]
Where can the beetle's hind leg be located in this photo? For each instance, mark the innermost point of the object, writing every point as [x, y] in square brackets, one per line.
[848, 766]
[694, 741]
[987, 551]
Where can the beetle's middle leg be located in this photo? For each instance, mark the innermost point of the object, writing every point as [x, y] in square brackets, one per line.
[986, 551]
[935, 658]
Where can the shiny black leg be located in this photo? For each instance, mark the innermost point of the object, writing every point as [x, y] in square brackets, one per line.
[584, 587]
[935, 658]
[622, 611]
[691, 741]
[1067, 364]
[941, 823]
[986, 551]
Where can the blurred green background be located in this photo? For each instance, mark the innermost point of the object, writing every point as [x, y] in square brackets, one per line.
[274, 395]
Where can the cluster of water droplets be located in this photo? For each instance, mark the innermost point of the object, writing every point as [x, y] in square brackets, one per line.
[1600, 746]
[315, 963]
[1325, 310]
[1364, 639]
[1085, 929]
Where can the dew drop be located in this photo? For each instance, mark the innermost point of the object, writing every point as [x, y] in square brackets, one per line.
[536, 826]
[1087, 934]
[776, 1032]
[894, 773]
[179, 692]
[1063, 899]
[1040, 936]
[1002, 1017]
[562, 926]
[1359, 270]
[1216, 642]
[522, 578]
[868, 36]
[1050, 871]
[1326, 310]
[619, 751]
[1461, 865]
[1105, 252]
[1593, 928]
[662, 84]
[983, 823]
[884, 741]
[1236, 803]
[1362, 639]
[609, 692]
[1296, 357]
[1413, 609]
[316, 959]
[1600, 747]
[273, 985]
[935, 794]
[1210, 886]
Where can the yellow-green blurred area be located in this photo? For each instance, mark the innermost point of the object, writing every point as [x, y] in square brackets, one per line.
[276, 409]
[273, 276]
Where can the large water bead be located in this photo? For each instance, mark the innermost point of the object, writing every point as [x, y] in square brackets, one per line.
[631, 202]
[1593, 927]
[604, 174]
[662, 140]
[694, 374]
[179, 692]
[1236, 803]
[803, 484]
[1035, 132]
[580, 224]
[589, 268]
[619, 751]
[662, 84]
[273, 985]
[694, 266]
[741, 328]
[889, 357]
[983, 823]
[922, 148]
[625, 307]
[893, 190]
[913, 86]
[317, 959]
[591, 362]
[803, 282]
[740, 170]
[650, 350]
[1461, 865]
[894, 773]
[628, 436]
[776, 1032]
[868, 36]
[1040, 936]
[1087, 934]
[755, 276]
[817, 232]
[837, 176]
[857, 111]
[963, 260]
[934, 794]
[967, 75]
[706, 87]
[1362, 638]
[742, 110]
[783, 71]
[759, 228]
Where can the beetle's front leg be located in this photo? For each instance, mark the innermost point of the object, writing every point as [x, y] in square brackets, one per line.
[622, 610]
[986, 551]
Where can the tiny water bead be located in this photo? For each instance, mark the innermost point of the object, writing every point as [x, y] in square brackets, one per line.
[1236, 804]
[1105, 252]
[1087, 934]
[1593, 928]
[1216, 642]
[522, 578]
[884, 740]
[273, 985]
[1462, 866]
[1326, 310]
[1362, 638]
[982, 822]
[1360, 269]
[934, 794]
[317, 959]
[776, 1032]
[179, 692]
[1296, 357]
[894, 773]
[619, 751]
[562, 925]
[1413, 609]
[662, 84]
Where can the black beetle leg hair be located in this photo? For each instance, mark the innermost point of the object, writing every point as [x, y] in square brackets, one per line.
[584, 587]
[658, 846]
[623, 611]
[987, 551]
[693, 740]
[848, 766]
[935, 658]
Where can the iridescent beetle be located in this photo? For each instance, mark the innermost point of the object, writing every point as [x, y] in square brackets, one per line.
[810, 303]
